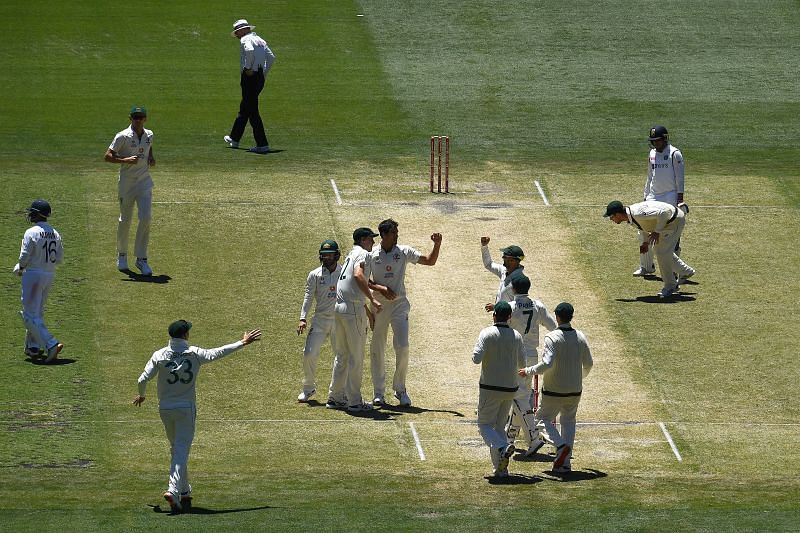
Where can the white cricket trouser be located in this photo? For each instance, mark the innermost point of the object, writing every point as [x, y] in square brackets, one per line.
[522, 415]
[35, 289]
[321, 329]
[669, 264]
[179, 426]
[350, 338]
[394, 313]
[566, 408]
[493, 409]
[144, 204]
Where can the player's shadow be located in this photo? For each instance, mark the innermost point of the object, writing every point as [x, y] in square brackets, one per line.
[141, 278]
[271, 151]
[655, 299]
[514, 479]
[204, 510]
[576, 475]
[413, 409]
[39, 361]
[535, 458]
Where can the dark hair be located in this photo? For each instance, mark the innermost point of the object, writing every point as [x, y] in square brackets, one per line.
[521, 284]
[386, 226]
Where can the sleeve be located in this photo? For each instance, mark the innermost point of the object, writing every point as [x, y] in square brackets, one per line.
[678, 170]
[545, 318]
[116, 143]
[548, 356]
[24, 252]
[648, 183]
[491, 266]
[412, 254]
[249, 54]
[520, 350]
[150, 370]
[586, 356]
[59, 249]
[308, 297]
[477, 351]
[269, 58]
[209, 355]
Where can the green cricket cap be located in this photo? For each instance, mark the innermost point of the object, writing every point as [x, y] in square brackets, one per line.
[565, 310]
[138, 110]
[502, 309]
[614, 207]
[360, 233]
[328, 247]
[179, 328]
[513, 251]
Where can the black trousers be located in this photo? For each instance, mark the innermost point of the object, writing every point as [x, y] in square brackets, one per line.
[248, 109]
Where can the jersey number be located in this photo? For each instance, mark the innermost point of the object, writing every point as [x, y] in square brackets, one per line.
[344, 269]
[186, 373]
[530, 318]
[49, 248]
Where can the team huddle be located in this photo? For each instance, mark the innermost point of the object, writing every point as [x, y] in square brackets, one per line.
[367, 291]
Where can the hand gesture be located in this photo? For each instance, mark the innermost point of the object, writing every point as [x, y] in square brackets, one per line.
[251, 336]
[139, 400]
[489, 308]
[485, 241]
[301, 327]
[436, 238]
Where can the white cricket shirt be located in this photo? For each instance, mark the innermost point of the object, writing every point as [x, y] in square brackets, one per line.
[664, 175]
[127, 143]
[389, 268]
[41, 249]
[526, 317]
[321, 286]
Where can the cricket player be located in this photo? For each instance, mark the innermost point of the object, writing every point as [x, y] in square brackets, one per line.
[664, 183]
[511, 267]
[566, 361]
[663, 224]
[352, 318]
[499, 349]
[320, 287]
[177, 367]
[132, 149]
[389, 262]
[41, 251]
[527, 316]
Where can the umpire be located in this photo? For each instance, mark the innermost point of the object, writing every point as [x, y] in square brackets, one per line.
[256, 60]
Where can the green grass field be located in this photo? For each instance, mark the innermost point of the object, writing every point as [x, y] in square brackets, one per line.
[561, 93]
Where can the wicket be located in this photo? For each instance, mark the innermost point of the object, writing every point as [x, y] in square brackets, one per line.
[436, 147]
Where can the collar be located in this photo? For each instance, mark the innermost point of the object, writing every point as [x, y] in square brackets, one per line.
[565, 327]
[501, 324]
[178, 345]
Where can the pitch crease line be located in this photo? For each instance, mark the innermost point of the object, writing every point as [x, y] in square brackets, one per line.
[541, 193]
[336, 192]
[671, 443]
[417, 441]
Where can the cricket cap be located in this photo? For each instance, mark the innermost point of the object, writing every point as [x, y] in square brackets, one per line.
[565, 310]
[179, 328]
[513, 251]
[502, 309]
[138, 110]
[40, 207]
[360, 233]
[614, 207]
[328, 247]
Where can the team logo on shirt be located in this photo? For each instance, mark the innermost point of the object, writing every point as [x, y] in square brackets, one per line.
[397, 257]
[388, 268]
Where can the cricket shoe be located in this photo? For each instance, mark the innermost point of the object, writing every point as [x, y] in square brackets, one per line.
[141, 264]
[359, 407]
[304, 396]
[228, 139]
[379, 400]
[563, 469]
[33, 353]
[562, 456]
[641, 271]
[173, 501]
[333, 404]
[122, 262]
[403, 398]
[535, 446]
[52, 353]
[500, 473]
[666, 292]
[505, 454]
[259, 149]
[684, 277]
[186, 500]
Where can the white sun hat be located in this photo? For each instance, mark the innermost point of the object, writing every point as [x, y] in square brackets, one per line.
[239, 25]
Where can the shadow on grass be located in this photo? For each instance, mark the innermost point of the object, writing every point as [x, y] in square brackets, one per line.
[387, 410]
[513, 479]
[535, 458]
[655, 299]
[38, 361]
[203, 510]
[140, 278]
[576, 475]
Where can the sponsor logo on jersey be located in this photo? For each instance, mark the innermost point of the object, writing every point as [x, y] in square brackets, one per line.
[388, 268]
[396, 257]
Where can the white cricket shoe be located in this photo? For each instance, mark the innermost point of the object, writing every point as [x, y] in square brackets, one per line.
[641, 271]
[141, 264]
[403, 398]
[122, 262]
[378, 400]
[259, 149]
[304, 396]
[685, 276]
[335, 404]
[173, 501]
[666, 292]
[505, 454]
[52, 353]
[535, 446]
[562, 456]
[228, 139]
[359, 408]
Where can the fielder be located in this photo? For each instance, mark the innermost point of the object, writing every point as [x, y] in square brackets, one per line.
[526, 317]
[320, 286]
[499, 349]
[177, 367]
[389, 262]
[132, 149]
[511, 268]
[352, 322]
[41, 251]
[663, 224]
[665, 178]
[566, 360]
